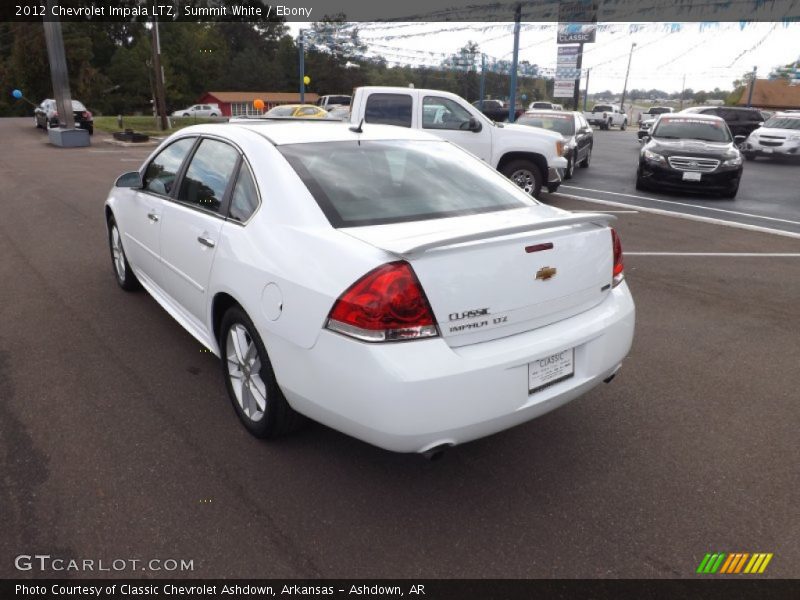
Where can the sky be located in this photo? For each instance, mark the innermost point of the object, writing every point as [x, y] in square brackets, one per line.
[709, 55]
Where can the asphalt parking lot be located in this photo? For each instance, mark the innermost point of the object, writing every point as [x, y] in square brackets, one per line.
[117, 439]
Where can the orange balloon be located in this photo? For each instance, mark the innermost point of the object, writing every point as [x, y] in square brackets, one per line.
[258, 103]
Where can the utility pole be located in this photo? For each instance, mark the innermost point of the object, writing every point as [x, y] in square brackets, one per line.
[161, 101]
[58, 69]
[625, 85]
[586, 91]
[301, 51]
[752, 85]
[683, 88]
[576, 93]
[483, 82]
[513, 92]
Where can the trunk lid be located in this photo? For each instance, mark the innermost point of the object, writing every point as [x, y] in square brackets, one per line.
[497, 274]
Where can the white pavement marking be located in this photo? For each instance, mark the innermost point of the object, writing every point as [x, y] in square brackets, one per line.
[623, 212]
[130, 160]
[690, 217]
[733, 254]
[676, 203]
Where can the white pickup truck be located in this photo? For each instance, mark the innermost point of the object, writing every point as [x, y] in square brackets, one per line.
[606, 116]
[529, 156]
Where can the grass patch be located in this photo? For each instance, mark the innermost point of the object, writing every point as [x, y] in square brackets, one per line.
[148, 125]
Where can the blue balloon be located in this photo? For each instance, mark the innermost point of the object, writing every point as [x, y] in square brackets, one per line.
[17, 94]
[524, 97]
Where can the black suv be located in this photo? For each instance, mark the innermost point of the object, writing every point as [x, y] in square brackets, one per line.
[740, 119]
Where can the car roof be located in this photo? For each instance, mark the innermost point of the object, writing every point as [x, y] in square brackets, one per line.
[787, 114]
[298, 131]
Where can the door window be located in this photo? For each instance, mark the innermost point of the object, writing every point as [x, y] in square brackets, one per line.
[443, 113]
[160, 174]
[245, 195]
[208, 175]
[389, 109]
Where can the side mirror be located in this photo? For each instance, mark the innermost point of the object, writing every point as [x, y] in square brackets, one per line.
[474, 125]
[645, 138]
[738, 139]
[129, 180]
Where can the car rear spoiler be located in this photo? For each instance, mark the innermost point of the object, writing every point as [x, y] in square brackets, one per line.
[406, 247]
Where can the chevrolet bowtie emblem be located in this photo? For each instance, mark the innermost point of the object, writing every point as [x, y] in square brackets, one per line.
[545, 273]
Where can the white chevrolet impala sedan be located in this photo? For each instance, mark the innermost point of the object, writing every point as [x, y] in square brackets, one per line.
[378, 280]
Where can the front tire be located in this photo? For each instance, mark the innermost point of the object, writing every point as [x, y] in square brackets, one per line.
[749, 155]
[623, 126]
[584, 164]
[640, 184]
[122, 269]
[731, 194]
[570, 169]
[525, 174]
[250, 379]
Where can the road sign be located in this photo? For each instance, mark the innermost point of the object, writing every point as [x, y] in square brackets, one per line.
[568, 56]
[563, 88]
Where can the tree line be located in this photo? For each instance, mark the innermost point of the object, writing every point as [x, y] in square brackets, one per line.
[110, 64]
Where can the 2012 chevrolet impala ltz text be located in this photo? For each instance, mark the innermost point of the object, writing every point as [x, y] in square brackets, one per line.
[377, 279]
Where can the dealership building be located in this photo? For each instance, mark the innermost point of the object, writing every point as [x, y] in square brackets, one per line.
[235, 104]
[773, 94]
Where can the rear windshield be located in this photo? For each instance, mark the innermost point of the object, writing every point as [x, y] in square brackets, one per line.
[565, 125]
[281, 111]
[658, 111]
[691, 129]
[783, 122]
[602, 108]
[542, 105]
[380, 182]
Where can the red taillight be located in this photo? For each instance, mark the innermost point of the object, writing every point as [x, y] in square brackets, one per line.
[618, 272]
[385, 305]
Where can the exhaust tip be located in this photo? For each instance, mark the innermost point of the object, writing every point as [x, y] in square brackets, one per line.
[436, 452]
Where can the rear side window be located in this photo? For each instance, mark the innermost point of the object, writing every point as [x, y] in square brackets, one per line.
[160, 174]
[245, 196]
[208, 175]
[380, 182]
[389, 109]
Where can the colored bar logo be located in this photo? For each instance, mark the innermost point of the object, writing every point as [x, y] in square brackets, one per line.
[734, 563]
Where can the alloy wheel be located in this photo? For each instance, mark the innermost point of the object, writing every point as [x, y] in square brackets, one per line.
[244, 371]
[117, 253]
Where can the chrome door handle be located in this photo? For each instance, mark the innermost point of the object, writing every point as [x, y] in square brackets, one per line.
[206, 241]
[153, 217]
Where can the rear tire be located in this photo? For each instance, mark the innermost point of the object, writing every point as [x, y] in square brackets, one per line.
[749, 156]
[622, 127]
[250, 379]
[525, 174]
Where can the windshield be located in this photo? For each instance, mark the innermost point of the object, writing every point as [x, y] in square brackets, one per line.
[783, 122]
[380, 182]
[691, 129]
[565, 125]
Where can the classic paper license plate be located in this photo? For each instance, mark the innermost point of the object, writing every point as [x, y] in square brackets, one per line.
[767, 150]
[551, 369]
[692, 176]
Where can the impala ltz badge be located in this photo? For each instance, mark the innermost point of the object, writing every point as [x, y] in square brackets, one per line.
[545, 273]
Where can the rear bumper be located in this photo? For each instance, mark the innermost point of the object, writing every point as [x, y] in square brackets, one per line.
[413, 396]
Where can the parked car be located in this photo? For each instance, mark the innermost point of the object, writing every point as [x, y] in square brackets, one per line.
[779, 137]
[331, 101]
[497, 110]
[540, 105]
[578, 136]
[46, 115]
[740, 119]
[328, 267]
[339, 113]
[528, 156]
[199, 110]
[691, 152]
[606, 116]
[306, 111]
